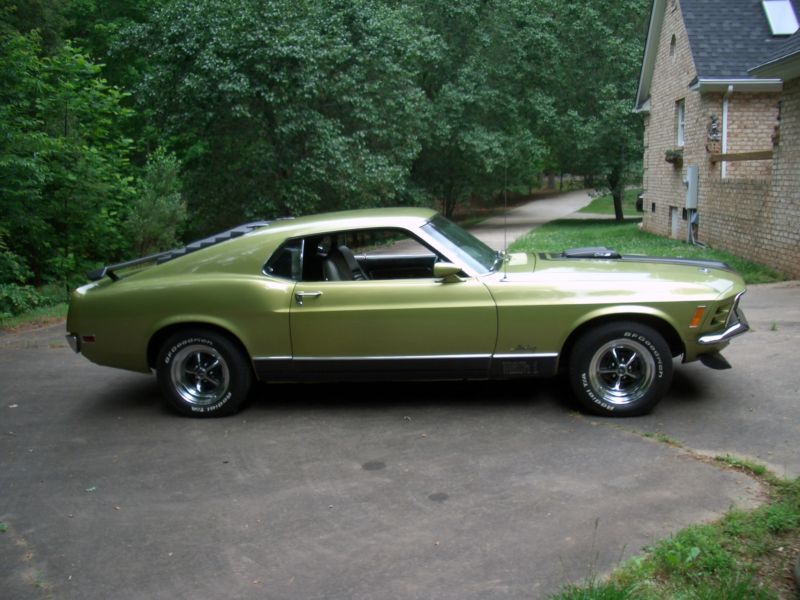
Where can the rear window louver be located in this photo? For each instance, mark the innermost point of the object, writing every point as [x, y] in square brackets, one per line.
[162, 257]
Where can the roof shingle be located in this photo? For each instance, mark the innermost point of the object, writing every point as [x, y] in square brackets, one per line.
[729, 37]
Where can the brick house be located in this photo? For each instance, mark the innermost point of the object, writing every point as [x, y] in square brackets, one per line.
[719, 94]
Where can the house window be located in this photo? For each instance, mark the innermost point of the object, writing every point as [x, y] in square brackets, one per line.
[673, 42]
[680, 123]
[673, 222]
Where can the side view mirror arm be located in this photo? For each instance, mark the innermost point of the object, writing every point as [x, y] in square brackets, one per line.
[447, 272]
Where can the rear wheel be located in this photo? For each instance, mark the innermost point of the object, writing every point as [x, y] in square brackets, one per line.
[203, 374]
[620, 369]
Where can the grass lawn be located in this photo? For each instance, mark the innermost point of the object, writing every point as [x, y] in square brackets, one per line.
[747, 555]
[37, 317]
[604, 205]
[627, 238]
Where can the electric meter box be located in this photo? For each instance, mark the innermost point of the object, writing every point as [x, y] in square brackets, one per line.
[692, 182]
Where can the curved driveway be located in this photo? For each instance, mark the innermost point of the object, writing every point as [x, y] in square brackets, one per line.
[446, 490]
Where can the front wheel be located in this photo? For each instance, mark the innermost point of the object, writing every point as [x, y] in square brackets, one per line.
[620, 369]
[203, 374]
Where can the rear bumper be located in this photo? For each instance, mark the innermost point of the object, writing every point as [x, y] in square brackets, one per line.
[74, 342]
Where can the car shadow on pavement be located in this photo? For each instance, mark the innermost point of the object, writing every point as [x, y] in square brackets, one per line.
[136, 395]
[344, 396]
[140, 395]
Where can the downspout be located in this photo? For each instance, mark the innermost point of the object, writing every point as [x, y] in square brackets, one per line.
[725, 129]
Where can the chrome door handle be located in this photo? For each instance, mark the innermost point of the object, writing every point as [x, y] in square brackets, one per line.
[299, 296]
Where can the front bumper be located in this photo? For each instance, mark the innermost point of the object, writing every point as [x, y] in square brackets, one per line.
[736, 326]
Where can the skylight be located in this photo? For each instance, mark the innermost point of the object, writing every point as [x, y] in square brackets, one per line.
[781, 17]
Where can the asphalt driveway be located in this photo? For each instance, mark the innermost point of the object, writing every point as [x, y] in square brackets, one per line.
[446, 490]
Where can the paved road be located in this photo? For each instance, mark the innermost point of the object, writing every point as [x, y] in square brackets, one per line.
[500, 231]
[447, 490]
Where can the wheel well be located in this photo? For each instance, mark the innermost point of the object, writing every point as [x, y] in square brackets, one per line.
[160, 336]
[665, 329]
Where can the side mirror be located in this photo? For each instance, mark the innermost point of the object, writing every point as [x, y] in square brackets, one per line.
[447, 272]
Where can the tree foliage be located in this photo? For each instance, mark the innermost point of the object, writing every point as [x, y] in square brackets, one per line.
[157, 211]
[235, 110]
[64, 178]
[489, 97]
[600, 134]
[286, 107]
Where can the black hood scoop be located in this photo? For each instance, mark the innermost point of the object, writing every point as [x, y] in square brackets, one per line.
[593, 252]
[603, 253]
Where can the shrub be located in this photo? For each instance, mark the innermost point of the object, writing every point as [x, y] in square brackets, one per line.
[16, 299]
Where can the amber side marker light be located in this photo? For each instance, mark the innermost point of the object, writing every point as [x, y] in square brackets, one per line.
[698, 317]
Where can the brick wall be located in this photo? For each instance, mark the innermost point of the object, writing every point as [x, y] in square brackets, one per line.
[733, 211]
[751, 123]
[759, 219]
[779, 232]
[673, 71]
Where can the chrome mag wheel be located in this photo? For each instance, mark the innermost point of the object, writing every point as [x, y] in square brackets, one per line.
[622, 371]
[200, 375]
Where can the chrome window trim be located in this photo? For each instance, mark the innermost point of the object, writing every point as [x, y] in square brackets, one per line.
[389, 357]
[524, 356]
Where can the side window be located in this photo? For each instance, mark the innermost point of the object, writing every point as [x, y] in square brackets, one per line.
[366, 254]
[362, 254]
[287, 261]
[382, 242]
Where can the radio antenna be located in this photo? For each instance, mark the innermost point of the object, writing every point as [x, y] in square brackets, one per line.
[505, 221]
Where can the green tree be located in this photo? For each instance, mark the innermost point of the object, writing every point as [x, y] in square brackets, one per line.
[594, 132]
[47, 18]
[491, 97]
[64, 174]
[157, 212]
[286, 107]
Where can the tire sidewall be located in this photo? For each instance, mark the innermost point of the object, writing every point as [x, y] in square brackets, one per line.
[240, 376]
[592, 341]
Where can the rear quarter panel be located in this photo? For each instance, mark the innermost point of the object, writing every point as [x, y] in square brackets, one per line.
[124, 315]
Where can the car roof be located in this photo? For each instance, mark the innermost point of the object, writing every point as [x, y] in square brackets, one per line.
[402, 217]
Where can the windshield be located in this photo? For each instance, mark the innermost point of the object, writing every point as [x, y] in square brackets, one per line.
[469, 250]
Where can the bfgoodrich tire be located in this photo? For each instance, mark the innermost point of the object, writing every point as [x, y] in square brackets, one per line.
[620, 369]
[203, 374]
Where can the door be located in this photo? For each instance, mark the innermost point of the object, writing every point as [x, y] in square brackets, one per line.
[406, 328]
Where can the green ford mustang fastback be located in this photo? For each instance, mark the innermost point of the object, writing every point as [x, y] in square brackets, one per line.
[397, 294]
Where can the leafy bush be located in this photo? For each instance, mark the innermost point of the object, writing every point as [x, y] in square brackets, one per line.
[157, 212]
[16, 299]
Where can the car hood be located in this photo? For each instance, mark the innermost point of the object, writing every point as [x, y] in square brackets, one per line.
[622, 270]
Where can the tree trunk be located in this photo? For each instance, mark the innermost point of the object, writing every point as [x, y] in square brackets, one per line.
[616, 182]
[617, 195]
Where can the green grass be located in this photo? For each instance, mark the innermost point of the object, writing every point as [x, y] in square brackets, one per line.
[627, 238]
[742, 464]
[604, 205]
[35, 317]
[741, 556]
[663, 438]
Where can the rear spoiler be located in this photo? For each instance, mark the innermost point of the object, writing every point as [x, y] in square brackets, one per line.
[162, 257]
